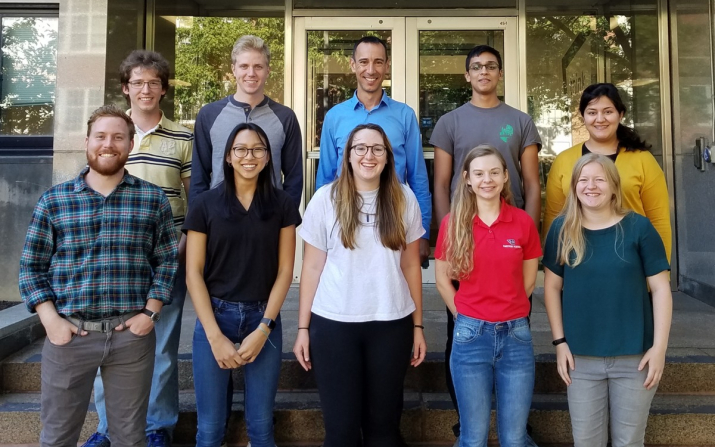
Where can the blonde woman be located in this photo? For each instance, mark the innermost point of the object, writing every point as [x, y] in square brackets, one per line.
[492, 249]
[599, 261]
[360, 310]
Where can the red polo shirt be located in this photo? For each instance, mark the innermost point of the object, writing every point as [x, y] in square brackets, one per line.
[494, 290]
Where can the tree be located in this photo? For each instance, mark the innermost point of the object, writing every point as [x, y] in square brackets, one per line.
[203, 59]
[29, 66]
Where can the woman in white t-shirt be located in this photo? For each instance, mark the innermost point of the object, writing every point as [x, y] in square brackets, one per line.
[360, 312]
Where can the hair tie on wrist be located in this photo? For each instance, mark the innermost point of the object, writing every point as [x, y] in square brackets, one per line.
[559, 341]
[420, 326]
[306, 328]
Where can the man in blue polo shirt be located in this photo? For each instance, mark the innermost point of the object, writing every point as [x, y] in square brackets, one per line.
[370, 104]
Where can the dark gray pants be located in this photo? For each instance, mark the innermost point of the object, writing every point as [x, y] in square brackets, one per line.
[126, 362]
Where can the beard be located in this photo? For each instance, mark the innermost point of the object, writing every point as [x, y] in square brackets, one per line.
[107, 167]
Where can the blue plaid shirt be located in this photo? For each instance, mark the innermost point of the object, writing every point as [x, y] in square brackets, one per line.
[97, 256]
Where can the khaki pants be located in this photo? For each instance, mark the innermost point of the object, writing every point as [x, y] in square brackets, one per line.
[126, 362]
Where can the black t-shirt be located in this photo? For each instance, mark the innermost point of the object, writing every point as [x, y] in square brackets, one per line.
[241, 250]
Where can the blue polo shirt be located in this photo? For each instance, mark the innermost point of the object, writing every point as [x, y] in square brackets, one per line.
[400, 124]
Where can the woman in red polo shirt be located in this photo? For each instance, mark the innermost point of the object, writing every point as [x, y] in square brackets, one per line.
[492, 249]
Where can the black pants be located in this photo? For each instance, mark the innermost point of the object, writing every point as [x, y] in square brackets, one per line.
[360, 371]
[448, 353]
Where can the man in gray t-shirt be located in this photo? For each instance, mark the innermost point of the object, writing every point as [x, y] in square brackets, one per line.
[485, 120]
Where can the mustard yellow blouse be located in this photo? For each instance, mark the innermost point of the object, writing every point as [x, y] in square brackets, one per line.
[642, 184]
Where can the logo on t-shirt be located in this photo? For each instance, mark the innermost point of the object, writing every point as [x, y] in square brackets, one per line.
[506, 133]
[511, 244]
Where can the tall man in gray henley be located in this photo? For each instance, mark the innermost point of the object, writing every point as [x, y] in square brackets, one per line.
[250, 61]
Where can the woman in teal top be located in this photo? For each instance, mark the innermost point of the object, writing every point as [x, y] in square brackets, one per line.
[610, 336]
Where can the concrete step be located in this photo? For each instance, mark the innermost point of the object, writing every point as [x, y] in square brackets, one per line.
[427, 419]
[683, 374]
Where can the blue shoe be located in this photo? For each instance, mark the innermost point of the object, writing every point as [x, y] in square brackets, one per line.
[159, 438]
[97, 440]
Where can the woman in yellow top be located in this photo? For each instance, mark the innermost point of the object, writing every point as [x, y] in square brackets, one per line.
[642, 180]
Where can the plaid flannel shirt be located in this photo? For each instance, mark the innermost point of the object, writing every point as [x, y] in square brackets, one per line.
[97, 256]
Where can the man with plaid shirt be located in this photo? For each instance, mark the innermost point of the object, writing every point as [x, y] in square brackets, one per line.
[98, 265]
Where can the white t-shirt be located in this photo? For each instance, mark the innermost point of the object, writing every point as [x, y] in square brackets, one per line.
[364, 284]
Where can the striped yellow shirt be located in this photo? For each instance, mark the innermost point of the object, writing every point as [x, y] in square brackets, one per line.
[163, 157]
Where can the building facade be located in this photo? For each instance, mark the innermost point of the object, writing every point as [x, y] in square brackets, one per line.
[60, 61]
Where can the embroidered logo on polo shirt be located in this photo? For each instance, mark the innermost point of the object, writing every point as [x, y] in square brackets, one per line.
[167, 147]
[511, 244]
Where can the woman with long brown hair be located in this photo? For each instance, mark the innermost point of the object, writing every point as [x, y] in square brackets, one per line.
[360, 311]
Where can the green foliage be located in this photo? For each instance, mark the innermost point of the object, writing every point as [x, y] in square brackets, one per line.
[203, 59]
[29, 66]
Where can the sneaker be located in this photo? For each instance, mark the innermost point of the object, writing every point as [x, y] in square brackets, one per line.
[159, 438]
[97, 440]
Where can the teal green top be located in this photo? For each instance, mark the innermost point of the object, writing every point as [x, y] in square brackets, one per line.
[607, 310]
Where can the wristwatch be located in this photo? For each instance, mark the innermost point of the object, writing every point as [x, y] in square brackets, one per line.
[151, 314]
[268, 322]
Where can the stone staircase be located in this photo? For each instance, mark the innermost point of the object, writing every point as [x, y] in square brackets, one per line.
[683, 412]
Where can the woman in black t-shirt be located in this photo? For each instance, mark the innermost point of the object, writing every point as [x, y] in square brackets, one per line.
[240, 252]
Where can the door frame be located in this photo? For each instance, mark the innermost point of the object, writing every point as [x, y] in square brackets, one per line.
[404, 73]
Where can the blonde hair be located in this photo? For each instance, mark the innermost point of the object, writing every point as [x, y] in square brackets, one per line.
[391, 202]
[250, 43]
[459, 243]
[572, 243]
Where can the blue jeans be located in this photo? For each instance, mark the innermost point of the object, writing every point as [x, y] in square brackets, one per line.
[496, 357]
[236, 321]
[163, 410]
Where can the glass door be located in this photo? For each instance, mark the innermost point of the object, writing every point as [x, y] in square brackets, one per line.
[427, 72]
[436, 50]
[323, 47]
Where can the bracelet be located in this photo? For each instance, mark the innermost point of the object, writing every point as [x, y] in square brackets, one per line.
[264, 332]
[306, 328]
[420, 326]
[559, 341]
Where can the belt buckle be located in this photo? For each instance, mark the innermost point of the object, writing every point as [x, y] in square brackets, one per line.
[106, 326]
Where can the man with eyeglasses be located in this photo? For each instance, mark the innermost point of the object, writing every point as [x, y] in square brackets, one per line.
[370, 104]
[485, 119]
[161, 155]
[250, 64]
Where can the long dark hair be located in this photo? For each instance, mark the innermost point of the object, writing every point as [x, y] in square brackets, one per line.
[391, 202]
[627, 137]
[264, 197]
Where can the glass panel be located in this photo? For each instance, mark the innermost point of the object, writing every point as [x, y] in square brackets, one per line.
[330, 82]
[693, 115]
[442, 67]
[566, 52]
[402, 4]
[330, 79]
[28, 59]
[442, 84]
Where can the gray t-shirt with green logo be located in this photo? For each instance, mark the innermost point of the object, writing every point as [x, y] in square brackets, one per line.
[509, 130]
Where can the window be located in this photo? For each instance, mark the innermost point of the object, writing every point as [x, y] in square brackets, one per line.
[28, 67]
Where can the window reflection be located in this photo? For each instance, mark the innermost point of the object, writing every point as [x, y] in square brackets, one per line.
[29, 66]
[330, 79]
[566, 52]
[202, 58]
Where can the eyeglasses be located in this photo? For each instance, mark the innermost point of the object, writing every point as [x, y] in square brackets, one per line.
[257, 152]
[378, 150]
[154, 85]
[490, 67]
